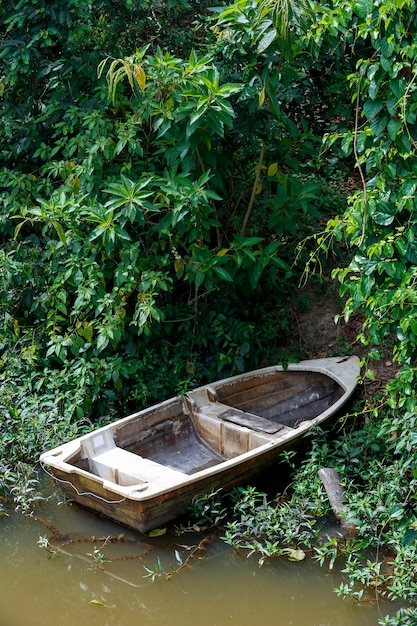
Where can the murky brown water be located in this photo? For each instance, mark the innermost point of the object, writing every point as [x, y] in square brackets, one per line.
[220, 589]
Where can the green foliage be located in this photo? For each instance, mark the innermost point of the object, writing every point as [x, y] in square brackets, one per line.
[375, 44]
[382, 554]
[380, 220]
[124, 246]
[209, 509]
[142, 239]
[269, 529]
[380, 282]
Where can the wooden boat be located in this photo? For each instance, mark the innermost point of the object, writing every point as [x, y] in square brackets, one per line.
[145, 469]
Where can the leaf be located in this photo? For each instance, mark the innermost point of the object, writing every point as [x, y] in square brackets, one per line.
[371, 108]
[199, 278]
[102, 342]
[347, 143]
[139, 75]
[361, 141]
[295, 555]
[272, 169]
[281, 264]
[411, 252]
[60, 232]
[384, 213]
[398, 86]
[362, 8]
[254, 274]
[378, 125]
[393, 128]
[410, 537]
[408, 188]
[375, 354]
[387, 47]
[391, 170]
[266, 40]
[413, 326]
[18, 227]
[157, 532]
[99, 603]
[222, 273]
[86, 331]
[249, 241]
[396, 511]
[370, 374]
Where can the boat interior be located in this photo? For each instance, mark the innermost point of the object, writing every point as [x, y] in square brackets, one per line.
[164, 444]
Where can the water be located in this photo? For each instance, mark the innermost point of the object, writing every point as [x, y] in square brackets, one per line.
[219, 588]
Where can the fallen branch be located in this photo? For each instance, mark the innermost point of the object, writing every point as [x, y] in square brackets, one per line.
[335, 492]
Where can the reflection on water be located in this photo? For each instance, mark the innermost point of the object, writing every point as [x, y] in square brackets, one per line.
[221, 589]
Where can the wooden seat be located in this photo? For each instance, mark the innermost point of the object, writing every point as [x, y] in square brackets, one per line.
[125, 468]
[254, 422]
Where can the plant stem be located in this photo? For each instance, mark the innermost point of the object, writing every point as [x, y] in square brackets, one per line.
[255, 185]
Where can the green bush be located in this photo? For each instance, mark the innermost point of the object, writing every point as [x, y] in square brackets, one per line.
[141, 207]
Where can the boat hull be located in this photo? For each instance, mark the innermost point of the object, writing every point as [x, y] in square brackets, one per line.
[158, 510]
[146, 469]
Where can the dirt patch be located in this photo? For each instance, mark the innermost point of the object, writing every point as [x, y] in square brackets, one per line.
[318, 335]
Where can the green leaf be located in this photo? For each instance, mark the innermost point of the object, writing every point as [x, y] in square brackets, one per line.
[157, 532]
[398, 86]
[373, 89]
[408, 188]
[281, 264]
[371, 108]
[199, 278]
[387, 47]
[391, 170]
[362, 8]
[86, 331]
[410, 537]
[102, 342]
[384, 214]
[254, 274]
[347, 143]
[378, 125]
[266, 40]
[248, 242]
[393, 128]
[60, 232]
[396, 511]
[361, 141]
[413, 326]
[223, 273]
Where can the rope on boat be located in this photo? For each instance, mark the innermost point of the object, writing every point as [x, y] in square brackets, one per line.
[84, 493]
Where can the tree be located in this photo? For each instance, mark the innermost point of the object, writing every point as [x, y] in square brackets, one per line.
[120, 224]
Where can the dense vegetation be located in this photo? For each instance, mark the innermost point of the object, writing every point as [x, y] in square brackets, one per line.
[163, 171]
